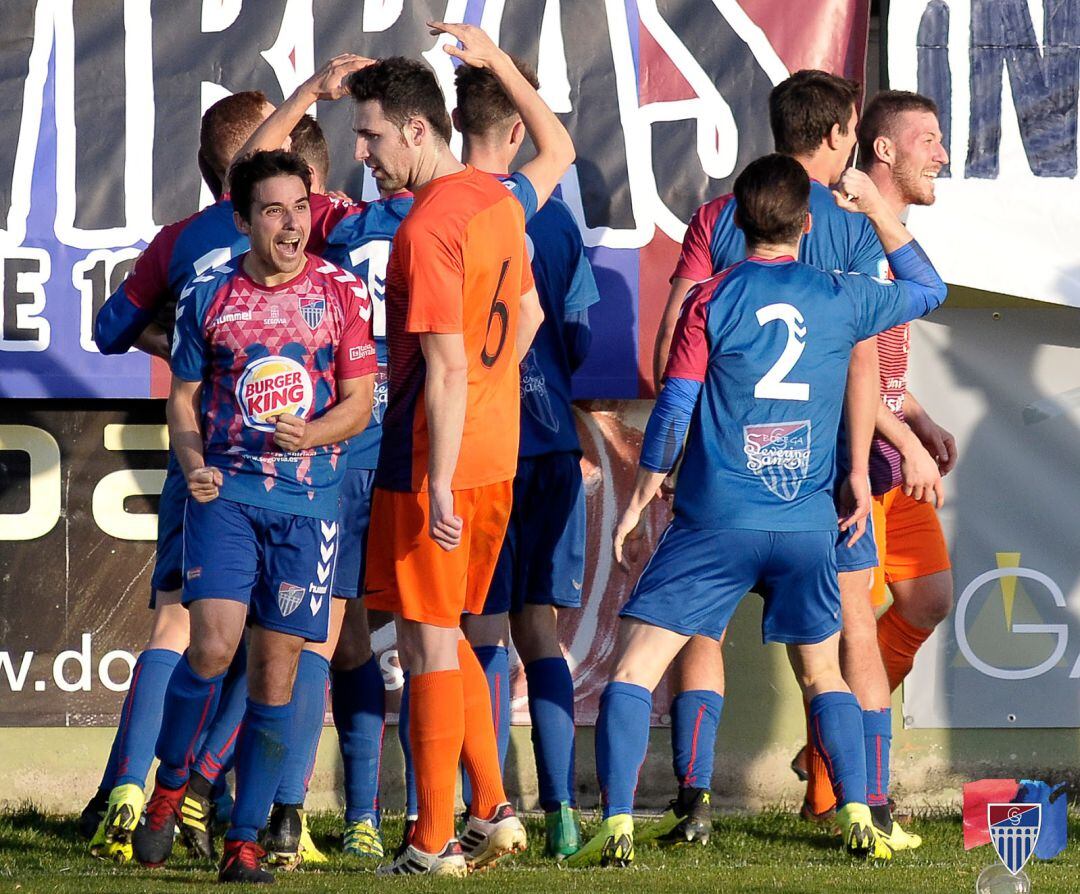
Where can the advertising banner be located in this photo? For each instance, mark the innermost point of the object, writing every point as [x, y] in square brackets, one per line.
[665, 101]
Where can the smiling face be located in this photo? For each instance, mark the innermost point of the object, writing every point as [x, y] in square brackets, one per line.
[919, 156]
[278, 229]
[381, 145]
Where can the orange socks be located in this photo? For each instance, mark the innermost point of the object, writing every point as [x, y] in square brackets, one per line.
[436, 733]
[480, 752]
[819, 790]
[898, 641]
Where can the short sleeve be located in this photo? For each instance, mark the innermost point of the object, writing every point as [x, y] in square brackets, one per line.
[868, 256]
[189, 339]
[147, 286]
[689, 354]
[695, 259]
[527, 280]
[435, 277]
[328, 212]
[879, 303]
[524, 192]
[355, 356]
[583, 292]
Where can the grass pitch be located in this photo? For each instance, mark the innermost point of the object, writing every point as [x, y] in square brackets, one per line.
[772, 851]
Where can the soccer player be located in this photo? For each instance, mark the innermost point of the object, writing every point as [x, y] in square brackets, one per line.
[273, 367]
[140, 314]
[813, 117]
[542, 564]
[756, 375]
[461, 312]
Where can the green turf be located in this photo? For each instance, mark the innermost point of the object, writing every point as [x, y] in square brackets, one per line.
[772, 851]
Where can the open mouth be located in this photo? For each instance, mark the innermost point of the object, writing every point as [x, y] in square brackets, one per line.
[289, 246]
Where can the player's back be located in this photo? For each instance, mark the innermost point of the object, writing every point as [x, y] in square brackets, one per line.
[771, 341]
[458, 266]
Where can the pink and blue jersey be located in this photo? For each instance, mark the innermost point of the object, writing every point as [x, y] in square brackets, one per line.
[766, 346]
[260, 351]
[361, 244]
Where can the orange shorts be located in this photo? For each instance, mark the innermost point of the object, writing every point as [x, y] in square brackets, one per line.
[409, 574]
[910, 542]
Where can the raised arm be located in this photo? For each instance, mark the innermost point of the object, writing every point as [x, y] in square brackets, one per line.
[554, 148]
[679, 288]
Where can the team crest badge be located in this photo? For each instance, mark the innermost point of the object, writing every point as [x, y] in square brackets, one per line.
[289, 597]
[779, 454]
[1014, 831]
[312, 309]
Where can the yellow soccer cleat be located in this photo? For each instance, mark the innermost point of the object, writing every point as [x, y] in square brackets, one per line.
[899, 839]
[612, 845]
[112, 841]
[861, 839]
[308, 852]
[362, 839]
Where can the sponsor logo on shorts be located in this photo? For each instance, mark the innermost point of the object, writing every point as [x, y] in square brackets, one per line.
[324, 567]
[312, 309]
[289, 597]
[779, 454]
[194, 573]
[270, 386]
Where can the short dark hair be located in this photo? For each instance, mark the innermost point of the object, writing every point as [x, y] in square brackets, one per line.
[226, 126]
[482, 103]
[307, 141]
[879, 117]
[772, 198]
[804, 108]
[249, 171]
[405, 88]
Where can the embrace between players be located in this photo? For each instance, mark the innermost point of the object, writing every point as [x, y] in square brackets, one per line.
[349, 421]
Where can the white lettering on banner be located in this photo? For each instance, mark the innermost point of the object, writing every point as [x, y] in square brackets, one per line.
[23, 275]
[44, 511]
[96, 277]
[114, 488]
[15, 669]
[1060, 632]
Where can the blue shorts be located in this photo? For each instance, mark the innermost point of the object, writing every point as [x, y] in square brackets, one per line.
[696, 579]
[354, 515]
[168, 573]
[542, 561]
[862, 555]
[279, 564]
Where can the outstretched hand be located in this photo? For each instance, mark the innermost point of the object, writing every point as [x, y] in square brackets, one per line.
[476, 47]
[329, 81]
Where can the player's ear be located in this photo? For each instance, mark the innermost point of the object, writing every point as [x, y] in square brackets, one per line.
[808, 224]
[414, 131]
[517, 133]
[455, 119]
[884, 151]
[242, 225]
[835, 133]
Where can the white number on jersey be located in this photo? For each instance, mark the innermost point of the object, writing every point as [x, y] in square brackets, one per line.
[772, 386]
[377, 255]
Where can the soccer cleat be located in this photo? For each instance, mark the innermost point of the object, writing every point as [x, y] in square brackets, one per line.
[562, 833]
[362, 839]
[897, 838]
[406, 836]
[688, 819]
[152, 841]
[92, 815]
[412, 861]
[113, 840]
[308, 852]
[612, 845]
[486, 841]
[860, 836]
[800, 764]
[826, 819]
[281, 840]
[197, 821]
[240, 863]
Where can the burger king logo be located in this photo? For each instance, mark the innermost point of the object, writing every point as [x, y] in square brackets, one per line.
[270, 386]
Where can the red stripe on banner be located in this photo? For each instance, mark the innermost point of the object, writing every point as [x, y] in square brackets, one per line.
[656, 261]
[977, 795]
[160, 378]
[659, 79]
[825, 34]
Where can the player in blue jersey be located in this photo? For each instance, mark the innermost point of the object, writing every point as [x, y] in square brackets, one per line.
[273, 368]
[140, 314]
[755, 384]
[813, 117]
[542, 564]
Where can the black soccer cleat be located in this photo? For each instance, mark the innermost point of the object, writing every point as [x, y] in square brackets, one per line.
[692, 812]
[281, 840]
[197, 819]
[240, 862]
[93, 813]
[152, 841]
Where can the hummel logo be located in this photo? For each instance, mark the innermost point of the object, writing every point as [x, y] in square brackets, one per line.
[315, 604]
[576, 583]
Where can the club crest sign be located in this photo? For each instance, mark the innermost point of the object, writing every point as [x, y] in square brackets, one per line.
[1014, 831]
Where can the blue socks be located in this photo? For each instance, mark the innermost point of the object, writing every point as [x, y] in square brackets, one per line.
[695, 716]
[190, 703]
[140, 720]
[836, 728]
[877, 733]
[411, 806]
[219, 747]
[495, 661]
[308, 711]
[359, 702]
[622, 740]
[551, 708]
[264, 740]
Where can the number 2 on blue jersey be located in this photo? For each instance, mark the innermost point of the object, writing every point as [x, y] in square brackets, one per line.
[772, 386]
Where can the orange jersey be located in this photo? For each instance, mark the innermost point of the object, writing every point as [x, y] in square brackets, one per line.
[458, 266]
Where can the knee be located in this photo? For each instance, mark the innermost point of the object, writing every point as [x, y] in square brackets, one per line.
[939, 602]
[210, 655]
